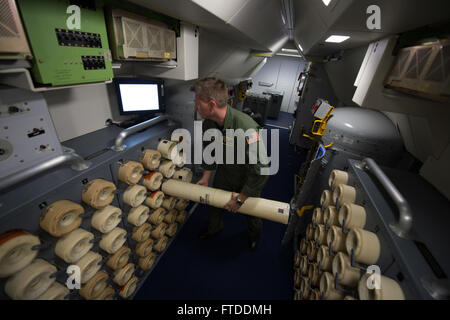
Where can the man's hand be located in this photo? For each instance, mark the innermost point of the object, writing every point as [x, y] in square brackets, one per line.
[232, 205]
[204, 181]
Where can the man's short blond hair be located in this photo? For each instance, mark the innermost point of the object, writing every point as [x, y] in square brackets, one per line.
[211, 88]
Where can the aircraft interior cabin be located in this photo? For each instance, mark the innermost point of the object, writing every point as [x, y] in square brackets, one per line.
[253, 150]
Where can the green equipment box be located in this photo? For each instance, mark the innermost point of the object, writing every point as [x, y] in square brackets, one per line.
[68, 41]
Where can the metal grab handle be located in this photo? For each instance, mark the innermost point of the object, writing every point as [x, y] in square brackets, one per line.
[76, 161]
[403, 226]
[118, 144]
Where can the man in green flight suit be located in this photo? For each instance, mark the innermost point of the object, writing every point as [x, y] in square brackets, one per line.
[243, 179]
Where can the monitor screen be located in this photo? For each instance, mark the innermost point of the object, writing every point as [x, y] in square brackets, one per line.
[140, 96]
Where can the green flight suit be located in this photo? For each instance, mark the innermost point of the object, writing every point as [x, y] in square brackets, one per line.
[239, 177]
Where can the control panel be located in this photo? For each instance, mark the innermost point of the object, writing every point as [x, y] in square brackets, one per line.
[27, 134]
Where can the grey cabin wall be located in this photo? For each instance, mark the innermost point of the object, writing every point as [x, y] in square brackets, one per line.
[282, 73]
[343, 73]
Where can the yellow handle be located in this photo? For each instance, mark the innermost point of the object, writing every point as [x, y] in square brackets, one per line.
[303, 209]
[321, 127]
[322, 124]
[300, 179]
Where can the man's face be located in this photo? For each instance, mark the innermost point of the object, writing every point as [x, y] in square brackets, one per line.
[202, 107]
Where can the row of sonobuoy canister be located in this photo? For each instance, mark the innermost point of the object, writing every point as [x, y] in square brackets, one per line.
[151, 215]
[107, 272]
[332, 258]
[106, 220]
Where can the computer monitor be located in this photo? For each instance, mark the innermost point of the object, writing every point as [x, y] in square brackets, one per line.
[140, 96]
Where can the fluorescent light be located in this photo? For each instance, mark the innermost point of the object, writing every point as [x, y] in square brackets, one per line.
[337, 39]
[326, 2]
[300, 47]
[289, 50]
[283, 18]
[288, 55]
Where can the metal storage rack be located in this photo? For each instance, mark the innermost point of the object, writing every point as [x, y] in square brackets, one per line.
[410, 219]
[419, 259]
[22, 204]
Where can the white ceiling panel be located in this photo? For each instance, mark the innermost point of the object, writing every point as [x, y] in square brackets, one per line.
[250, 23]
[315, 22]
[396, 16]
[261, 20]
[308, 24]
[220, 9]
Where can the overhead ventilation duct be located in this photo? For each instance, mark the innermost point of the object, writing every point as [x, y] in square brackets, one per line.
[287, 15]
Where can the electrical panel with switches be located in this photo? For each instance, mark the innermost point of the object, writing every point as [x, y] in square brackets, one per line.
[68, 40]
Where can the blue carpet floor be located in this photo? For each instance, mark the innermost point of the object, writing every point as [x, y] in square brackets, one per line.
[223, 267]
[285, 120]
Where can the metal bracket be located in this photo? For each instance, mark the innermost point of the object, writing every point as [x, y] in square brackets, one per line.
[339, 287]
[337, 205]
[87, 214]
[95, 240]
[103, 261]
[109, 281]
[42, 246]
[330, 251]
[344, 230]
[316, 243]
[353, 263]
[58, 273]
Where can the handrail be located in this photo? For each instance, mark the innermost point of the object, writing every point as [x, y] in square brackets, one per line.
[76, 161]
[403, 226]
[118, 144]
